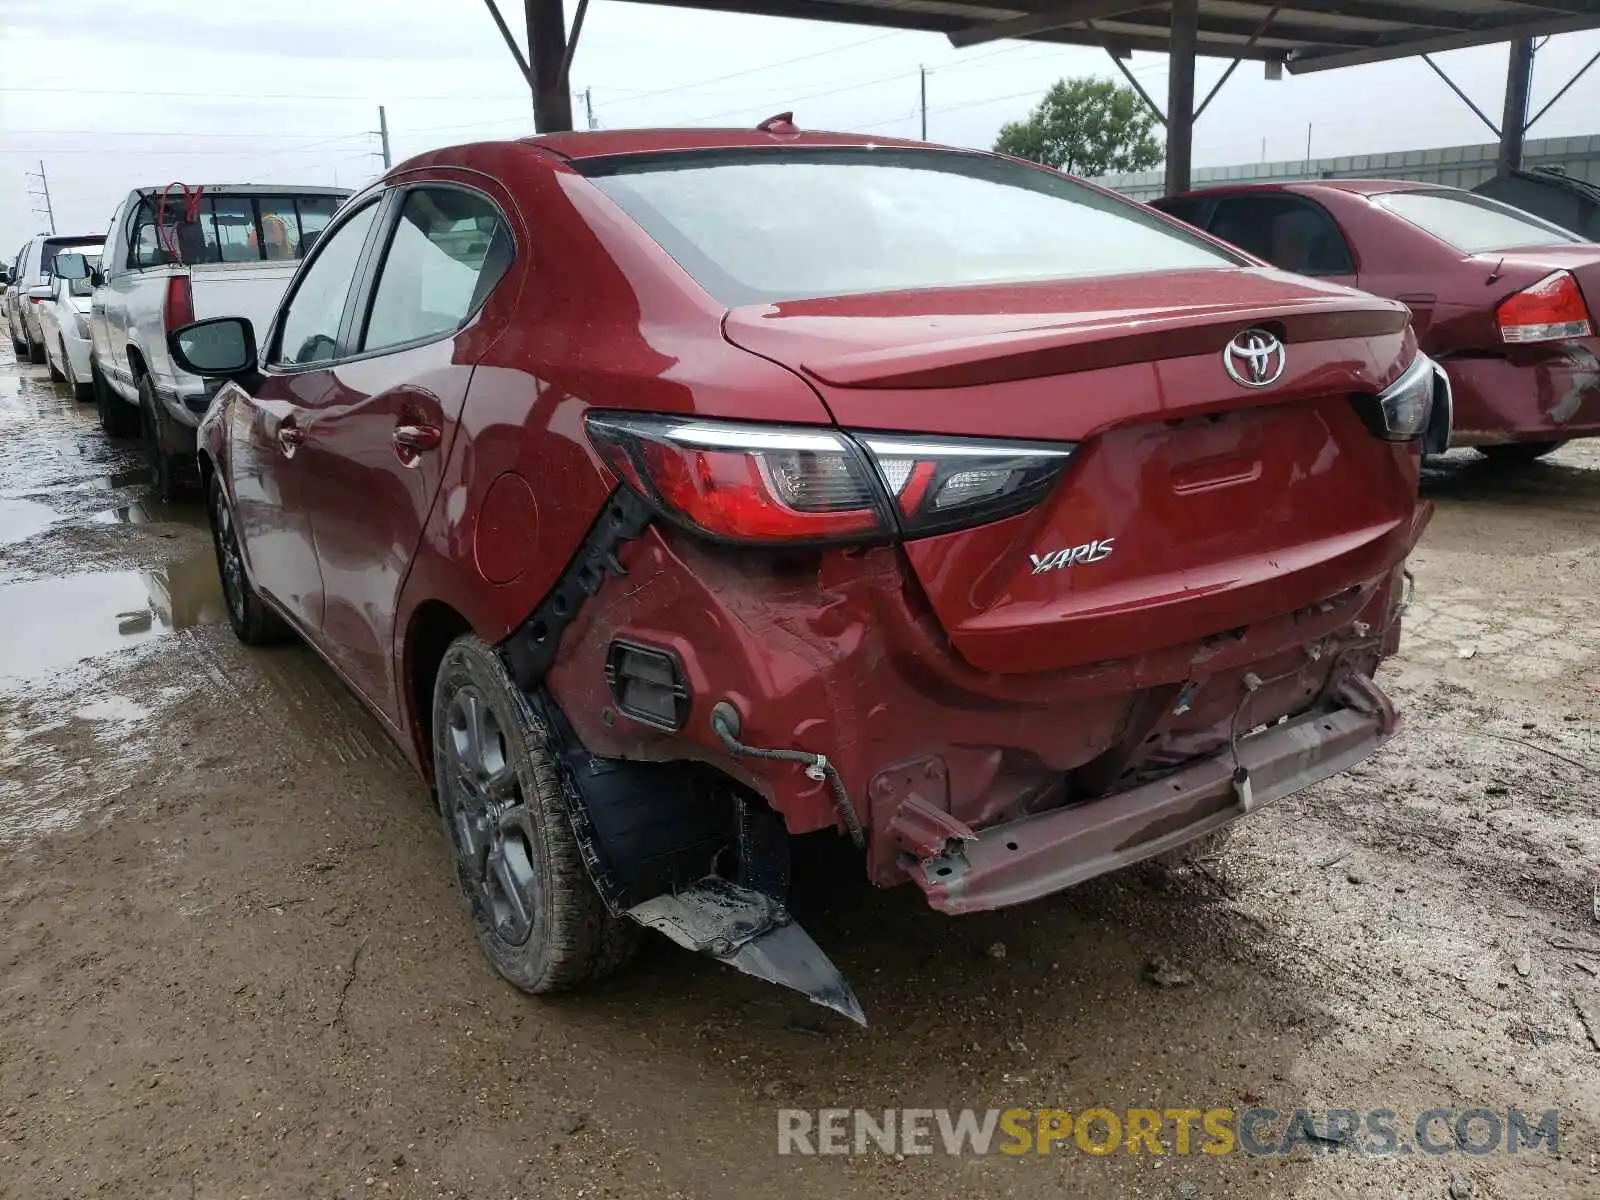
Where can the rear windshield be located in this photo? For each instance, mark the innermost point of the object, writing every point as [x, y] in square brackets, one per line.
[761, 226]
[228, 228]
[1473, 224]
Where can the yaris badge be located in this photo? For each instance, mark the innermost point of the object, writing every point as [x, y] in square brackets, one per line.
[1255, 358]
[1071, 556]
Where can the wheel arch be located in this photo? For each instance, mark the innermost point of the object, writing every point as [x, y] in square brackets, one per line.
[432, 626]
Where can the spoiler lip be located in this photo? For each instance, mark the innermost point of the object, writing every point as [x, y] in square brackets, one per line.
[1099, 341]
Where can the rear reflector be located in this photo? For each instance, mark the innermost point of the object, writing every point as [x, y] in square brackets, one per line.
[647, 684]
[1552, 310]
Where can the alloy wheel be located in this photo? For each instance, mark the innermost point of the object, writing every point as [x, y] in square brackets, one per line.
[488, 817]
[228, 557]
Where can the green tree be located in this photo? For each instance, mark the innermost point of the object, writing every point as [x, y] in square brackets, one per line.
[1087, 126]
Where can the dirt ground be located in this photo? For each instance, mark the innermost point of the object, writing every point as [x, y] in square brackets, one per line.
[233, 961]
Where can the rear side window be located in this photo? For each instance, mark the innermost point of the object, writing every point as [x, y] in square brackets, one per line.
[1187, 210]
[762, 226]
[228, 228]
[1473, 224]
[448, 250]
[1289, 232]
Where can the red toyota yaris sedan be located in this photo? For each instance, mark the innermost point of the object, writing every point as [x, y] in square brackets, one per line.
[668, 493]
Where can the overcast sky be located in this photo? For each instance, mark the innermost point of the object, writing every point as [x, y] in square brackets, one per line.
[113, 94]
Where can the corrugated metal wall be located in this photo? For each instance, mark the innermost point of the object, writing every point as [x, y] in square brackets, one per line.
[1457, 166]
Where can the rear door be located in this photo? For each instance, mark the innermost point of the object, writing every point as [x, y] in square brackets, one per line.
[269, 463]
[376, 445]
[1290, 232]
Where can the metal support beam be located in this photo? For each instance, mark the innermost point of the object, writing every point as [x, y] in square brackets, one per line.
[1266, 24]
[1514, 124]
[1155, 109]
[547, 52]
[1075, 12]
[1180, 94]
[1328, 58]
[1565, 88]
[572, 39]
[1465, 99]
[511, 42]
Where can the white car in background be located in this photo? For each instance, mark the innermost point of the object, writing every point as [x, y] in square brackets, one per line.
[30, 278]
[64, 321]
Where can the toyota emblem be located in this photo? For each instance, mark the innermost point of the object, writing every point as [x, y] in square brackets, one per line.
[1255, 358]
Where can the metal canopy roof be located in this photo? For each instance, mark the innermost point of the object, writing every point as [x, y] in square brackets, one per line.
[1305, 35]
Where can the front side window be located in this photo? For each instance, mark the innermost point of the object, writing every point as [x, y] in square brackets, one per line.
[762, 226]
[448, 250]
[1473, 224]
[310, 329]
[1288, 232]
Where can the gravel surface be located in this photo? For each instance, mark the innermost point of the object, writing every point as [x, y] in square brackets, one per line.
[233, 961]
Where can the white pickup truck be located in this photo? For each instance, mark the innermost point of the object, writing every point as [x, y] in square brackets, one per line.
[180, 254]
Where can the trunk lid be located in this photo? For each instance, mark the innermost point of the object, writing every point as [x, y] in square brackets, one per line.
[1211, 505]
[1528, 265]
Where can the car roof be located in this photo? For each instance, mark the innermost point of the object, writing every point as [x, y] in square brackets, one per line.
[251, 189]
[1360, 187]
[602, 143]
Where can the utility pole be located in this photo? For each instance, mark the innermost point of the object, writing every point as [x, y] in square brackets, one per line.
[42, 194]
[588, 108]
[1308, 148]
[923, 72]
[383, 135]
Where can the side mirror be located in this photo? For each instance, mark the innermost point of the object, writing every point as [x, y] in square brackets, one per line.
[224, 346]
[70, 266]
[5, 276]
[42, 291]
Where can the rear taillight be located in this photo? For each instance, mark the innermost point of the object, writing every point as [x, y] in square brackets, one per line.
[746, 483]
[944, 483]
[797, 484]
[179, 306]
[1552, 310]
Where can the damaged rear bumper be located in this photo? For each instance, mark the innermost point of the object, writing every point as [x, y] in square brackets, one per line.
[1544, 394]
[1025, 859]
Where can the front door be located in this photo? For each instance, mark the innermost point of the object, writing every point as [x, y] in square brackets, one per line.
[375, 451]
[268, 469]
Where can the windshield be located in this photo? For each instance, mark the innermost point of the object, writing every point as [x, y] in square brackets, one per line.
[754, 226]
[1473, 224]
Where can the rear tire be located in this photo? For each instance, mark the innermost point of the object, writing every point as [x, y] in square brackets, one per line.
[19, 348]
[80, 391]
[118, 418]
[537, 916]
[56, 376]
[1520, 452]
[253, 622]
[36, 355]
[166, 468]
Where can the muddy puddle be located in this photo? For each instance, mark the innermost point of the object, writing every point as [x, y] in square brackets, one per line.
[55, 622]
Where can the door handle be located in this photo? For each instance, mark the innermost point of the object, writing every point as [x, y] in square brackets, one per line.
[414, 439]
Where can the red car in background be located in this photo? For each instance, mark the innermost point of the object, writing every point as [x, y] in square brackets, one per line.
[1500, 298]
[666, 493]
